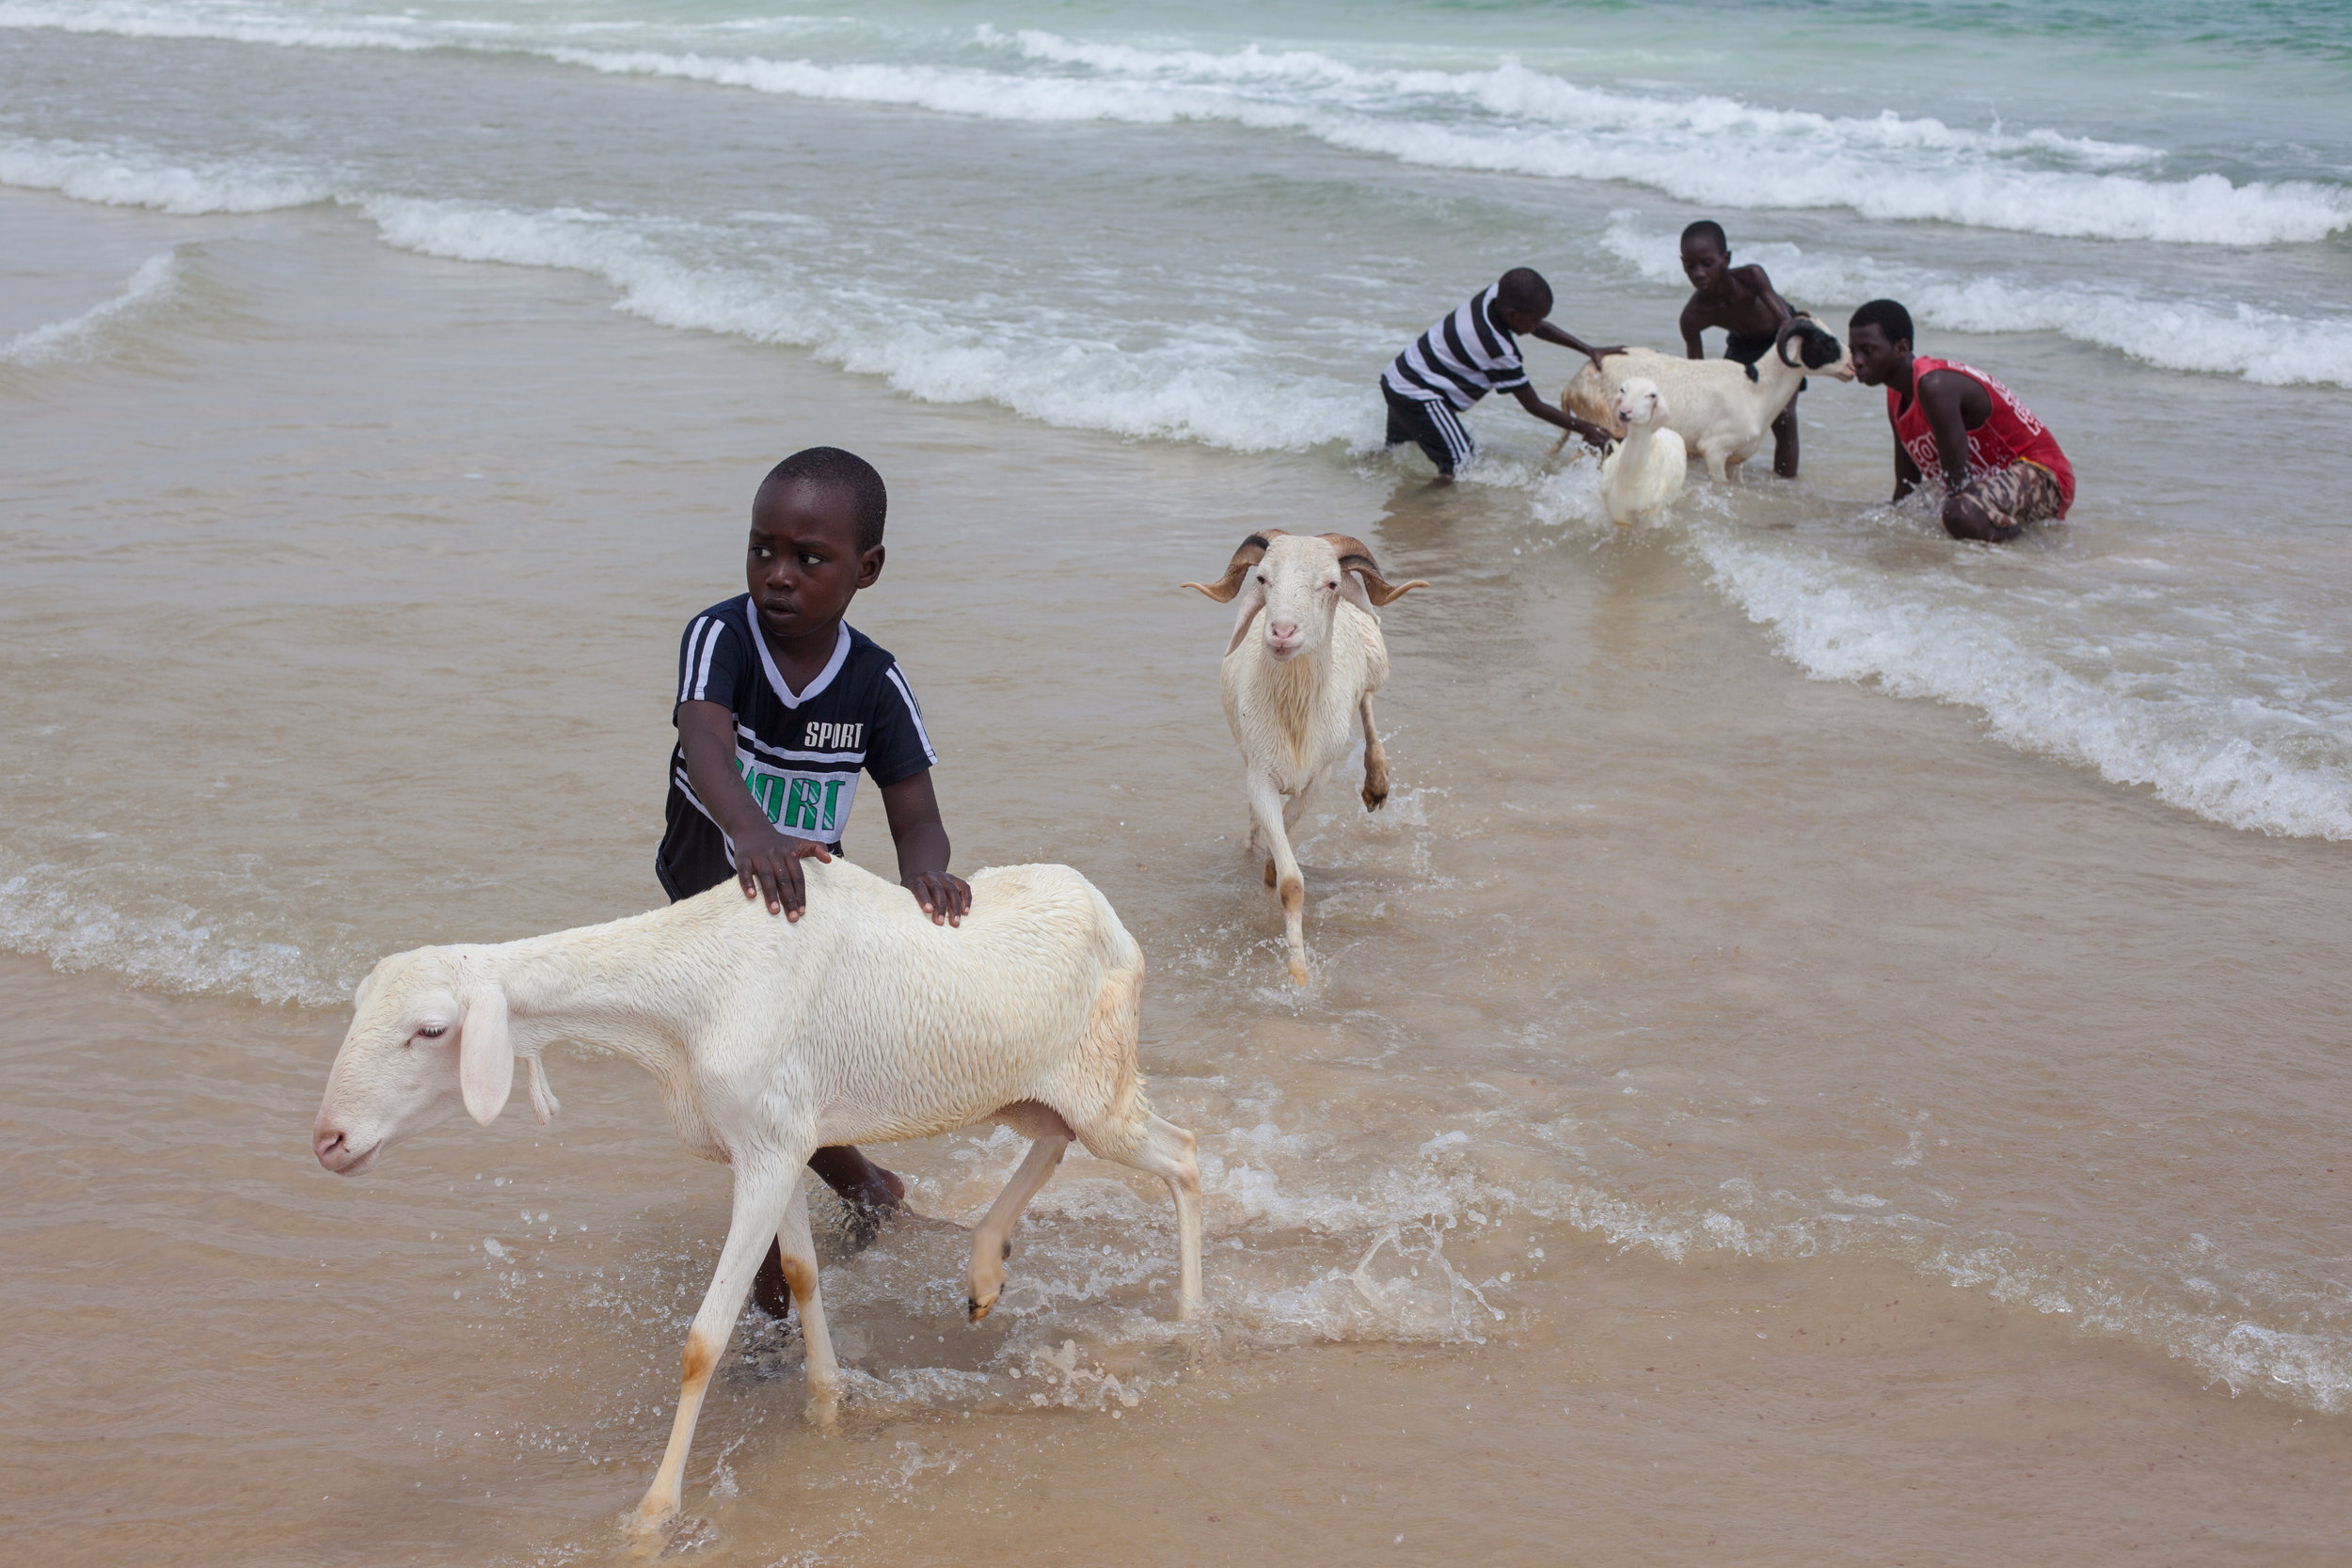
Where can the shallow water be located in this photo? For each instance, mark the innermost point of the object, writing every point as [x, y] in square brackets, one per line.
[1737, 1113]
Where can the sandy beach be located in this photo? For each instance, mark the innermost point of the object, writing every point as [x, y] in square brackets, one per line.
[1745, 1110]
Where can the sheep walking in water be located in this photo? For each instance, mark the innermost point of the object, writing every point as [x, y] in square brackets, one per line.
[1298, 692]
[863, 1023]
[1646, 471]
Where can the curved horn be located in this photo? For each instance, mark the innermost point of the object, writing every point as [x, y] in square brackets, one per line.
[1252, 550]
[1356, 555]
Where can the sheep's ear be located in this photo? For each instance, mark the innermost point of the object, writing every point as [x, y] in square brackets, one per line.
[1355, 558]
[1253, 551]
[485, 1057]
[543, 1101]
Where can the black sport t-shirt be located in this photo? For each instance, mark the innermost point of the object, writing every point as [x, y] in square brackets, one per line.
[800, 755]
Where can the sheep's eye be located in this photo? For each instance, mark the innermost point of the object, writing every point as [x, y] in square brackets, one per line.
[431, 1031]
[1261, 577]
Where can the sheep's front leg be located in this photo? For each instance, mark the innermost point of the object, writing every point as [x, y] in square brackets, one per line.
[761, 1197]
[1266, 801]
[1376, 762]
[798, 1249]
[992, 1243]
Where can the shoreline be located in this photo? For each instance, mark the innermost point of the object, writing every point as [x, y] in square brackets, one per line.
[1651, 916]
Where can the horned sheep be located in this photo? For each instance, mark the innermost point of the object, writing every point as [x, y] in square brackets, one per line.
[861, 1023]
[1298, 691]
[1723, 410]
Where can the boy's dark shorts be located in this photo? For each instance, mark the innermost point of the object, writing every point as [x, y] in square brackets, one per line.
[1411, 419]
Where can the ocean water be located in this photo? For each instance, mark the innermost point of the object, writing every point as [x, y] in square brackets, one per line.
[1783, 911]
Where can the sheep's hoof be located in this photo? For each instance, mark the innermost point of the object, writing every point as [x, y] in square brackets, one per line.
[824, 1411]
[1298, 970]
[1376, 799]
[975, 1310]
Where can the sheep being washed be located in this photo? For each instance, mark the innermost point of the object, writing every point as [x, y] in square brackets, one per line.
[862, 1023]
[1723, 410]
[1298, 691]
[1646, 471]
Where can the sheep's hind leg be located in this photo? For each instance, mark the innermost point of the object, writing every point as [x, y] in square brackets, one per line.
[799, 1271]
[1167, 1153]
[1376, 762]
[1267, 802]
[991, 1241]
[761, 1200]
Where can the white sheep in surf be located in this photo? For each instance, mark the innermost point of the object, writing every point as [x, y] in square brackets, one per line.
[1297, 693]
[862, 1023]
[1723, 410]
[1645, 471]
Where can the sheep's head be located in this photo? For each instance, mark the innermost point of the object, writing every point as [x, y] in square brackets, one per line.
[428, 1035]
[1297, 578]
[1815, 349]
[1639, 402]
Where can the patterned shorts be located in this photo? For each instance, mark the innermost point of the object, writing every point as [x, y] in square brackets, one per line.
[2020, 494]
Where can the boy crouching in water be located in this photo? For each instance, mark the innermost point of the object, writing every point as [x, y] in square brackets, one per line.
[781, 704]
[1742, 301]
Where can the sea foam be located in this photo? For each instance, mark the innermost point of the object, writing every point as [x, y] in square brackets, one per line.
[121, 178]
[1504, 118]
[76, 337]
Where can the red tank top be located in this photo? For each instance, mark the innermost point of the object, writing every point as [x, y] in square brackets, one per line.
[2010, 433]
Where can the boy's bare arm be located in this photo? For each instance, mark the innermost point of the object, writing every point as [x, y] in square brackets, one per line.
[1552, 334]
[1693, 322]
[1592, 434]
[922, 839]
[766, 861]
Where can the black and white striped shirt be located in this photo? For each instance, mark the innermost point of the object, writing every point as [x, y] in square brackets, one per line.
[1460, 358]
[800, 753]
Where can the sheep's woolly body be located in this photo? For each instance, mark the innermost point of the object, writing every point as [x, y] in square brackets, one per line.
[1647, 468]
[861, 1023]
[1296, 719]
[1723, 410]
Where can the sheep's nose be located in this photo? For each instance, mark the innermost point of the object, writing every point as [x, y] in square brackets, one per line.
[325, 1146]
[1282, 631]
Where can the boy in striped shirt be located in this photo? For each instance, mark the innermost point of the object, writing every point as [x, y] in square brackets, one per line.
[1471, 351]
[780, 706]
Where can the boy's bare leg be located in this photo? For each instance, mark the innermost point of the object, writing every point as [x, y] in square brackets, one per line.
[1785, 442]
[870, 1193]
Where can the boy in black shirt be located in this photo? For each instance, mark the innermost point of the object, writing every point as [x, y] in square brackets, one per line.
[780, 707]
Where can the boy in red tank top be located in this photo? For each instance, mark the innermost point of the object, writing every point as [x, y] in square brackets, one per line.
[2001, 468]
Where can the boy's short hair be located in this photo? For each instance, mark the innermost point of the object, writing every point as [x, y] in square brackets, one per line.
[1885, 314]
[1708, 229]
[1524, 288]
[832, 468]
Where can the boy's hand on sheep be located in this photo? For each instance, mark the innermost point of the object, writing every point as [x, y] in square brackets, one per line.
[946, 899]
[773, 867]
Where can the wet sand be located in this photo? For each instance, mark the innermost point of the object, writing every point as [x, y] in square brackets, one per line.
[1888, 1137]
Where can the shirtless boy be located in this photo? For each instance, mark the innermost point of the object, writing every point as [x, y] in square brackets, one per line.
[1473, 351]
[780, 707]
[2001, 468]
[1742, 301]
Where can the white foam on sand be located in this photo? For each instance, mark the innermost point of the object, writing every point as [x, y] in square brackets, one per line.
[79, 337]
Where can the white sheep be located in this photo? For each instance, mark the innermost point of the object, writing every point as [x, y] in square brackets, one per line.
[1723, 410]
[1296, 694]
[1644, 471]
[862, 1023]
